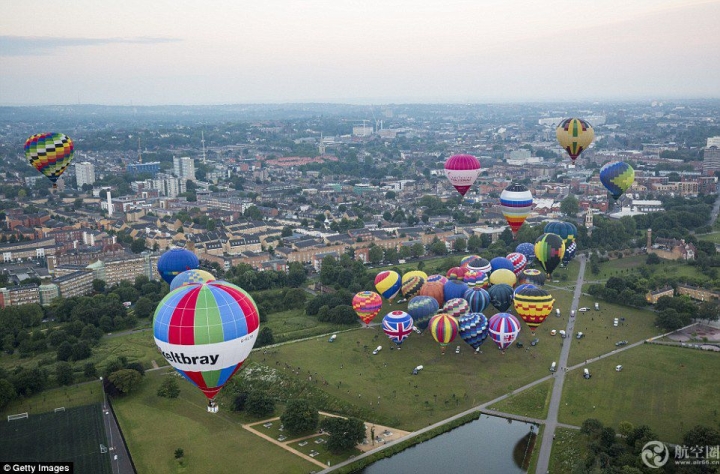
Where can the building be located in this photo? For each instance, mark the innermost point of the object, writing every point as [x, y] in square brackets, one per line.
[184, 168]
[652, 297]
[713, 141]
[18, 295]
[151, 168]
[670, 249]
[697, 293]
[77, 283]
[711, 160]
[84, 173]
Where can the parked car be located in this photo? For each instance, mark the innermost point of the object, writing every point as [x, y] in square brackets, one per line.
[618, 368]
[583, 309]
[377, 349]
[457, 350]
[534, 342]
[621, 343]
[580, 335]
[553, 332]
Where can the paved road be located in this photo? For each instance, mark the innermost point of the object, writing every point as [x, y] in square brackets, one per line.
[119, 455]
[551, 422]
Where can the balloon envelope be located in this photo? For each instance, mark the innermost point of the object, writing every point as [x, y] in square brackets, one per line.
[533, 305]
[503, 275]
[503, 328]
[191, 277]
[501, 296]
[175, 261]
[516, 202]
[434, 289]
[462, 171]
[549, 251]
[574, 135]
[441, 278]
[476, 279]
[444, 329]
[206, 332]
[457, 273]
[473, 329]
[454, 289]
[411, 285]
[527, 249]
[467, 259]
[367, 305]
[50, 154]
[422, 308]
[569, 253]
[388, 284]
[478, 299]
[518, 260]
[456, 307]
[479, 265]
[532, 276]
[617, 177]
[397, 325]
[500, 262]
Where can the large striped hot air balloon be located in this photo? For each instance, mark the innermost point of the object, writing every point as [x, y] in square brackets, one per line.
[50, 154]
[516, 201]
[479, 265]
[422, 308]
[462, 171]
[533, 305]
[527, 249]
[206, 332]
[503, 328]
[617, 177]
[549, 251]
[444, 329]
[476, 279]
[175, 261]
[367, 305]
[518, 260]
[574, 135]
[388, 284]
[191, 277]
[456, 307]
[473, 329]
[478, 299]
[397, 325]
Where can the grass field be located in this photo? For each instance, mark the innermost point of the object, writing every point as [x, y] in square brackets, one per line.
[73, 435]
[295, 324]
[568, 451]
[670, 389]
[532, 402]
[213, 443]
[74, 396]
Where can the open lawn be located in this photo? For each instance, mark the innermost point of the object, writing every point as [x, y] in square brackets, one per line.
[213, 443]
[568, 451]
[670, 389]
[73, 396]
[628, 265]
[601, 335]
[713, 237]
[295, 324]
[532, 402]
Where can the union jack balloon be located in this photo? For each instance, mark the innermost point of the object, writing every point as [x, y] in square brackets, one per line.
[397, 325]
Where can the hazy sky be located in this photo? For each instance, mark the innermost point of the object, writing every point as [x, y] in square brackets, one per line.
[150, 52]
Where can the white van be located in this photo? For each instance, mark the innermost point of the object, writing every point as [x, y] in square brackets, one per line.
[562, 333]
[580, 335]
[618, 368]
[553, 366]
[597, 306]
[378, 349]
[332, 338]
[586, 373]
[557, 312]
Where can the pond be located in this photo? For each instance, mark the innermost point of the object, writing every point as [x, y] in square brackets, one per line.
[487, 445]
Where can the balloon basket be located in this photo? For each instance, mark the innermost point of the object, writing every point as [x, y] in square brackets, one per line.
[212, 407]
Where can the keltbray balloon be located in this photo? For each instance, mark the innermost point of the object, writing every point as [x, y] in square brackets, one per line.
[574, 135]
[367, 305]
[388, 284]
[503, 275]
[462, 171]
[191, 277]
[473, 329]
[444, 329]
[478, 299]
[518, 260]
[501, 296]
[533, 305]
[50, 154]
[549, 251]
[617, 177]
[206, 332]
[503, 329]
[422, 308]
[516, 202]
[397, 325]
[175, 261]
[527, 249]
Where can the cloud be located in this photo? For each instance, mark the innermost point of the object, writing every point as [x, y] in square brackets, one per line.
[45, 45]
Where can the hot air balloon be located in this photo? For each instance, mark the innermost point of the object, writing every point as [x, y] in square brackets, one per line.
[442, 279]
[411, 284]
[388, 284]
[574, 135]
[398, 326]
[444, 329]
[617, 177]
[206, 332]
[503, 275]
[522, 287]
[175, 261]
[533, 305]
[473, 329]
[457, 273]
[518, 260]
[367, 305]
[503, 328]
[478, 299]
[500, 262]
[465, 260]
[516, 202]
[422, 308]
[501, 296]
[549, 250]
[191, 277]
[462, 171]
[532, 276]
[50, 154]
[456, 307]
[418, 273]
[434, 289]
[476, 279]
[565, 230]
[569, 253]
[527, 249]
[479, 265]
[454, 289]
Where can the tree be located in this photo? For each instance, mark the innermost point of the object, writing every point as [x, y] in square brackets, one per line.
[345, 433]
[169, 387]
[259, 404]
[64, 351]
[474, 243]
[144, 307]
[138, 245]
[64, 373]
[570, 206]
[652, 259]
[81, 350]
[7, 393]
[98, 285]
[375, 254]
[89, 370]
[179, 453]
[438, 248]
[709, 311]
[265, 337]
[460, 245]
[125, 380]
[300, 417]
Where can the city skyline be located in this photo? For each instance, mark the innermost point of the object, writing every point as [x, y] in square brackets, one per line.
[371, 52]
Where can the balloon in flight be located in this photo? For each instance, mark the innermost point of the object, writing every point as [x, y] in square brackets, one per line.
[549, 251]
[574, 135]
[516, 202]
[617, 177]
[175, 261]
[50, 154]
[462, 171]
[367, 305]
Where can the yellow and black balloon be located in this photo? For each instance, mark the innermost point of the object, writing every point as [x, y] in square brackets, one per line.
[533, 305]
[574, 135]
[50, 154]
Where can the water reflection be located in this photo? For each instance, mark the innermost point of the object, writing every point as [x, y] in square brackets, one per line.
[487, 445]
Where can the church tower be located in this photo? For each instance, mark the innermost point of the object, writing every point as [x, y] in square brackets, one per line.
[649, 239]
[589, 221]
